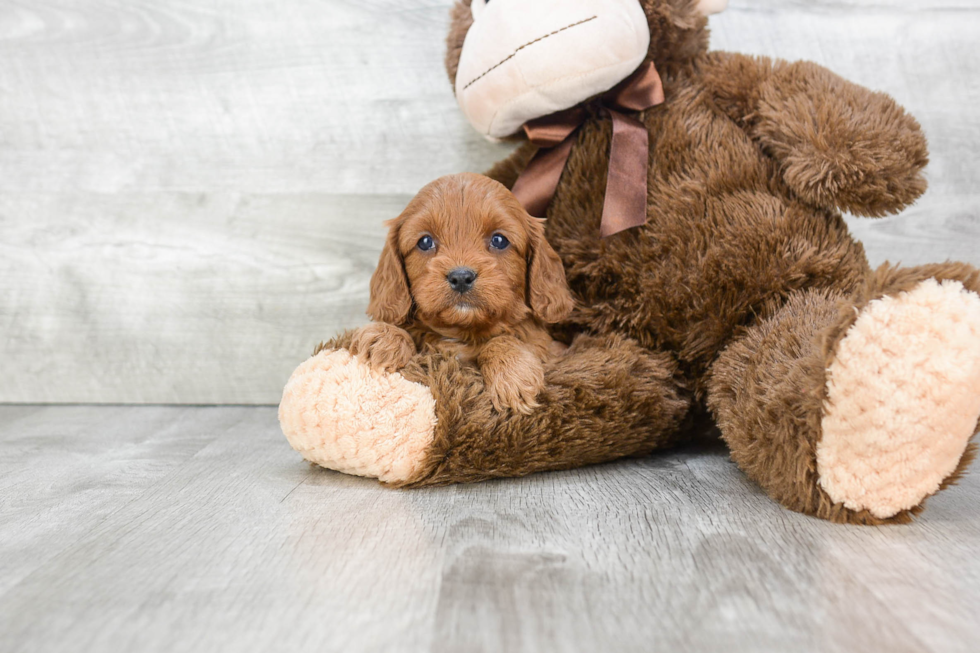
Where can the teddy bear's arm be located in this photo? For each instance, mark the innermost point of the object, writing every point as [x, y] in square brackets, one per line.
[839, 145]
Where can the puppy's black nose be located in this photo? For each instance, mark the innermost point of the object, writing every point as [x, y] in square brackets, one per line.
[461, 279]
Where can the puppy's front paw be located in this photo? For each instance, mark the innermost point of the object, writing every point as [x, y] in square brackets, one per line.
[517, 385]
[382, 346]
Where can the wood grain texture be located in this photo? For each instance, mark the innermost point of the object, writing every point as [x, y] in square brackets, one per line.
[192, 192]
[213, 304]
[198, 529]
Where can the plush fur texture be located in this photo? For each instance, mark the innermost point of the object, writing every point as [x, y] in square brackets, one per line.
[768, 389]
[745, 272]
[734, 297]
[603, 398]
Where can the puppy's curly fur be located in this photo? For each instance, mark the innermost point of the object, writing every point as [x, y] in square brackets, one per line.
[465, 269]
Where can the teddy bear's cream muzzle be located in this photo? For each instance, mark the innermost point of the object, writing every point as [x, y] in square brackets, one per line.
[524, 59]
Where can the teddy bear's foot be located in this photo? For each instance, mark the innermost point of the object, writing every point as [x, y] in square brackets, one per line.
[604, 398]
[340, 414]
[903, 398]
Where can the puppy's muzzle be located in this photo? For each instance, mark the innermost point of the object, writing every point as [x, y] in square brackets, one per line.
[461, 279]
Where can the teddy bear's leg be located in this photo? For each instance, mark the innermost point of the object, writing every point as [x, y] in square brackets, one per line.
[856, 409]
[433, 422]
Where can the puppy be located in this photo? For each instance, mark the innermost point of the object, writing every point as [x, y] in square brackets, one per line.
[466, 270]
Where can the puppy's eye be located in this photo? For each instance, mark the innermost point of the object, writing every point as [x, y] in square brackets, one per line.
[499, 241]
[425, 243]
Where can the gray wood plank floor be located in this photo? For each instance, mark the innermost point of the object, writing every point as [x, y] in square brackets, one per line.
[198, 529]
[192, 192]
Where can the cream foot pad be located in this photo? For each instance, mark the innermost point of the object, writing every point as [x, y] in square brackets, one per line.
[340, 414]
[903, 398]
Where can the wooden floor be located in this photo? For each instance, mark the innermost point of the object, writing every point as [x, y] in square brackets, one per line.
[198, 529]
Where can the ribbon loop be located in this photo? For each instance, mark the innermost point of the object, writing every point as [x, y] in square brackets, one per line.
[551, 130]
[624, 205]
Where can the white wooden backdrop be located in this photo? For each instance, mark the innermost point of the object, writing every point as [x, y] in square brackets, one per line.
[192, 191]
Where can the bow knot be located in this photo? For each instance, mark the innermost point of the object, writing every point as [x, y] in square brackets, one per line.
[624, 205]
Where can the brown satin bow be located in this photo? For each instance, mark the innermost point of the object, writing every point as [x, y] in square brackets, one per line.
[625, 204]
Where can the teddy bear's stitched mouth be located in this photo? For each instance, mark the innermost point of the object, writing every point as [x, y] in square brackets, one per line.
[519, 48]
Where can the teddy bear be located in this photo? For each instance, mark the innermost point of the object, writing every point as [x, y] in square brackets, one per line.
[726, 291]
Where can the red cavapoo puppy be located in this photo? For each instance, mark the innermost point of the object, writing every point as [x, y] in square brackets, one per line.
[465, 269]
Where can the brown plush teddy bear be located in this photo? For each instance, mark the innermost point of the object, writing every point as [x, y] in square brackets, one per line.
[847, 393]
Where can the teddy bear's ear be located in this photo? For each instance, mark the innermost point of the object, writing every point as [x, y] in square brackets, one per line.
[705, 7]
[477, 7]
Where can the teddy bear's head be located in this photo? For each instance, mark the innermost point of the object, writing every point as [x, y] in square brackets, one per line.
[511, 61]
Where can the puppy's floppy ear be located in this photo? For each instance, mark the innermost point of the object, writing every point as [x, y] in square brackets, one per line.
[391, 300]
[548, 293]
